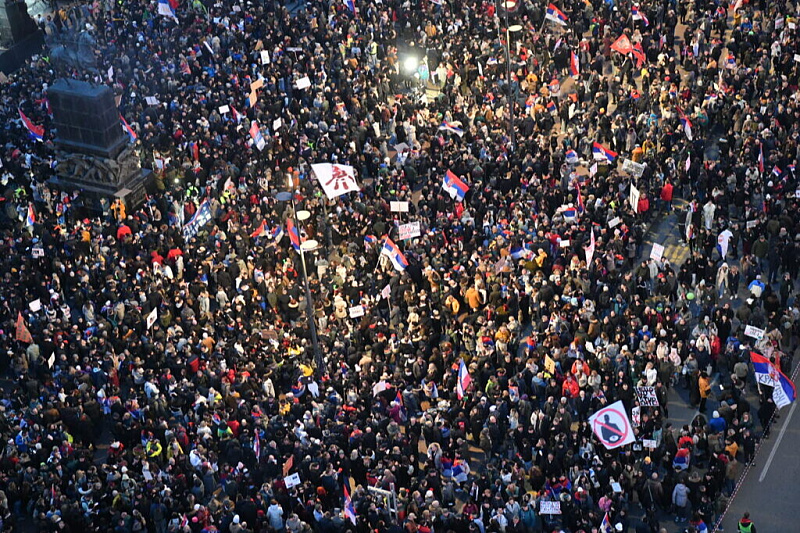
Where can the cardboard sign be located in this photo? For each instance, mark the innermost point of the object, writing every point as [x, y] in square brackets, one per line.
[547, 507]
[650, 444]
[398, 207]
[633, 168]
[151, 100]
[614, 222]
[647, 396]
[356, 311]
[657, 252]
[564, 243]
[276, 124]
[303, 83]
[292, 481]
[264, 57]
[35, 305]
[224, 109]
[751, 224]
[409, 231]
[633, 198]
[37, 251]
[636, 416]
[754, 332]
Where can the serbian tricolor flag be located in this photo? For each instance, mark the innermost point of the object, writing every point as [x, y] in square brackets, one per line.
[276, 234]
[394, 254]
[299, 389]
[574, 65]
[572, 156]
[761, 158]
[454, 186]
[235, 114]
[556, 15]
[30, 220]
[686, 123]
[36, 132]
[127, 128]
[369, 240]
[783, 390]
[351, 5]
[635, 95]
[349, 510]
[464, 379]
[294, 236]
[601, 153]
[638, 15]
[260, 230]
[551, 107]
[530, 344]
[446, 126]
[776, 171]
[257, 445]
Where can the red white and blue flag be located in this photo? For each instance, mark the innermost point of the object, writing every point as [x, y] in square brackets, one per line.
[605, 525]
[30, 220]
[601, 153]
[572, 156]
[638, 15]
[260, 230]
[551, 106]
[574, 65]
[294, 235]
[394, 254]
[235, 114]
[761, 158]
[464, 380]
[686, 123]
[555, 15]
[351, 5]
[257, 445]
[446, 126]
[369, 240]
[36, 132]
[277, 234]
[128, 129]
[783, 390]
[776, 171]
[349, 510]
[453, 185]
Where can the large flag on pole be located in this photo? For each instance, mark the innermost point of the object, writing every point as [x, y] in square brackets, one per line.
[349, 510]
[555, 15]
[165, 8]
[36, 132]
[336, 180]
[783, 390]
[394, 254]
[590, 250]
[200, 219]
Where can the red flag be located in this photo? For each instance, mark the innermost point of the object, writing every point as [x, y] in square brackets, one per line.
[287, 466]
[622, 45]
[22, 333]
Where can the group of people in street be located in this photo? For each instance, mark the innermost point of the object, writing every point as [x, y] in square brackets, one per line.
[162, 371]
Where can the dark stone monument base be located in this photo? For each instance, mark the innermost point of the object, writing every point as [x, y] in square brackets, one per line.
[132, 192]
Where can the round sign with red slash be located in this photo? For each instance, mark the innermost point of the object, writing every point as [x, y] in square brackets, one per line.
[612, 426]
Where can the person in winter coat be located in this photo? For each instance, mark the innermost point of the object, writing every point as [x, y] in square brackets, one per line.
[275, 516]
[680, 499]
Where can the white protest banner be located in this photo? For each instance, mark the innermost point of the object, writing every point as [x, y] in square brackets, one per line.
[151, 318]
[636, 416]
[276, 124]
[264, 57]
[303, 83]
[657, 252]
[386, 292]
[754, 332]
[564, 243]
[751, 224]
[593, 169]
[647, 396]
[633, 168]
[224, 109]
[409, 231]
[35, 305]
[797, 57]
[612, 427]
[292, 481]
[37, 251]
[650, 444]
[51, 360]
[335, 180]
[151, 100]
[398, 207]
[548, 507]
[356, 311]
[633, 198]
[614, 222]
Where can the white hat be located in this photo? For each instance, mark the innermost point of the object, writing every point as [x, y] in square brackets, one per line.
[236, 519]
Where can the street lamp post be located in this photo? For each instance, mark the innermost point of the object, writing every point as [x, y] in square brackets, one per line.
[305, 246]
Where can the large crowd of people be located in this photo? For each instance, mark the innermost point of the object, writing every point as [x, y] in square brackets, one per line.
[460, 400]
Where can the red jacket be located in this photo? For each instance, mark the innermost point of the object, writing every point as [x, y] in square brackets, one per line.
[666, 192]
